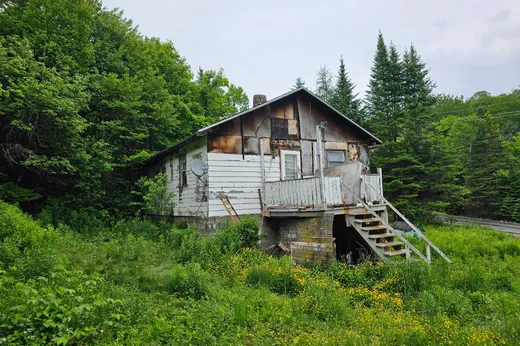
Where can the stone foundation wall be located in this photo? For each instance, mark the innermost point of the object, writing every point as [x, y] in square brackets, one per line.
[309, 239]
[205, 225]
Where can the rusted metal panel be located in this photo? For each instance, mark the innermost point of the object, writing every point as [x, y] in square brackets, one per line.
[231, 144]
[279, 128]
[303, 192]
[306, 149]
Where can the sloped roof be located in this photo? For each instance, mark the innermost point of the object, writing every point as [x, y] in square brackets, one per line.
[203, 131]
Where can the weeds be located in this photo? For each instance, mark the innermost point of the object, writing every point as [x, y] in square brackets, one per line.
[136, 282]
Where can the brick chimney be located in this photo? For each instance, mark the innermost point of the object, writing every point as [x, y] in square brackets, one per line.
[259, 100]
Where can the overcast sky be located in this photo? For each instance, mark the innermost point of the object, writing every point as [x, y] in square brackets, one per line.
[263, 46]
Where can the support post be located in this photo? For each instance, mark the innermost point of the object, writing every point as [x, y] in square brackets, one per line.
[428, 252]
[262, 167]
[319, 149]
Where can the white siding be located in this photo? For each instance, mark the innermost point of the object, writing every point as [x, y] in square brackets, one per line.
[193, 199]
[240, 180]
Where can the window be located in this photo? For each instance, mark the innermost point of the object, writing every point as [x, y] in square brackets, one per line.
[183, 177]
[335, 158]
[290, 164]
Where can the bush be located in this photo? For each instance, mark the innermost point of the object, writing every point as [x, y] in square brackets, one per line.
[25, 243]
[232, 237]
[189, 281]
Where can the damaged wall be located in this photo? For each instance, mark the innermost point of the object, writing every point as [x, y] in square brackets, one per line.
[308, 238]
[192, 199]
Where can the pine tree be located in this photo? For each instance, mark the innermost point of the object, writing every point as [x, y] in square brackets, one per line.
[324, 83]
[343, 97]
[376, 95]
[418, 98]
[487, 159]
[300, 83]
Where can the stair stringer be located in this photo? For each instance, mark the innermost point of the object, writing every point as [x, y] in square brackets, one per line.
[376, 235]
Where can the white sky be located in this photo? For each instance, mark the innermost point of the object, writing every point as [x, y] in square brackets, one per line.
[263, 46]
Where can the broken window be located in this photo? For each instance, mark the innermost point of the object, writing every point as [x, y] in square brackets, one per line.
[335, 158]
[183, 177]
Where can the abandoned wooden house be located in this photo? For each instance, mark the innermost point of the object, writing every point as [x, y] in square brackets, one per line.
[299, 164]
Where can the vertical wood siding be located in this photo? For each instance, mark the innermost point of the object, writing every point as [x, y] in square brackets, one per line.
[239, 180]
[303, 192]
[369, 182]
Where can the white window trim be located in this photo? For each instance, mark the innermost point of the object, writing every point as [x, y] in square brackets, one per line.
[298, 162]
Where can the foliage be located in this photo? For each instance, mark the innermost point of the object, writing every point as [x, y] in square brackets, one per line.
[299, 83]
[324, 85]
[343, 97]
[135, 283]
[157, 199]
[83, 95]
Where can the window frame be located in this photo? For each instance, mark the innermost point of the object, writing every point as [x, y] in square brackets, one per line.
[283, 153]
[338, 151]
[183, 171]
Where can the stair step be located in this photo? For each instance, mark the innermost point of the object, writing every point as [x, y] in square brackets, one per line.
[373, 228]
[366, 220]
[395, 253]
[388, 244]
[381, 236]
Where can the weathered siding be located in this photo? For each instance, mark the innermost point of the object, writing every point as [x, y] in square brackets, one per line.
[240, 180]
[303, 192]
[192, 199]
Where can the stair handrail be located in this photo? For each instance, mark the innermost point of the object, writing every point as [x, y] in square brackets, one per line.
[380, 219]
[417, 230]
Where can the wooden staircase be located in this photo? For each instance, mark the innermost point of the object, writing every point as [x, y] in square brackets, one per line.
[377, 236]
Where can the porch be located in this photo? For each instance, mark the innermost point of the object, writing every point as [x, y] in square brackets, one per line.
[310, 197]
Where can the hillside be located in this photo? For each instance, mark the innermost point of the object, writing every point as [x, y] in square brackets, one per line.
[102, 281]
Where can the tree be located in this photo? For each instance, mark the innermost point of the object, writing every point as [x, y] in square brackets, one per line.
[376, 95]
[343, 97]
[324, 86]
[83, 95]
[300, 83]
[418, 98]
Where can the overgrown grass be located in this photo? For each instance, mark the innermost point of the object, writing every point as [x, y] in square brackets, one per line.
[135, 282]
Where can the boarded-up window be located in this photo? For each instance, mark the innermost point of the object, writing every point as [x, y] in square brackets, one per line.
[279, 128]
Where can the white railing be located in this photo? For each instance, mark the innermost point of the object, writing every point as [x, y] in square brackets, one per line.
[303, 193]
[372, 187]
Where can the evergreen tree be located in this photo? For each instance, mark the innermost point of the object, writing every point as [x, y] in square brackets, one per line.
[343, 97]
[418, 98]
[300, 83]
[376, 96]
[487, 159]
[324, 85]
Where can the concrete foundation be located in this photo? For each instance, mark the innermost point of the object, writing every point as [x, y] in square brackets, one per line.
[309, 239]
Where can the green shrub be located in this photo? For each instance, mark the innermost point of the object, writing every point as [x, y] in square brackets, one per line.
[232, 237]
[189, 281]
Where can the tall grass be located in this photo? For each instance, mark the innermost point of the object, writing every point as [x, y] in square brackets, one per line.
[136, 282]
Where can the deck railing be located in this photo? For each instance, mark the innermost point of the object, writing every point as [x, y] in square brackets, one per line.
[372, 187]
[303, 193]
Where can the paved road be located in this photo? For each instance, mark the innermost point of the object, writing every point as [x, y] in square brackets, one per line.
[507, 227]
